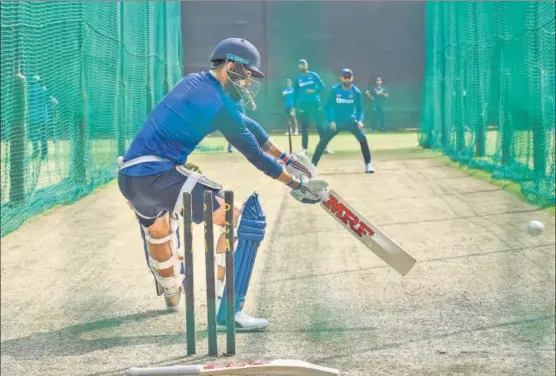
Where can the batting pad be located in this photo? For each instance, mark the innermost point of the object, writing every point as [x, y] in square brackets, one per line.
[250, 233]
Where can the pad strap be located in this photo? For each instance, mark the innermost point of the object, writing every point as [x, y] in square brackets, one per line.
[139, 160]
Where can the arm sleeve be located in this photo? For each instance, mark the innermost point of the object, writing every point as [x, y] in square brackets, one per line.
[295, 91]
[359, 106]
[256, 129]
[232, 126]
[329, 107]
[320, 84]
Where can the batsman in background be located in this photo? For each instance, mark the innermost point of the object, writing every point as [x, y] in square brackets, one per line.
[344, 112]
[153, 175]
[307, 89]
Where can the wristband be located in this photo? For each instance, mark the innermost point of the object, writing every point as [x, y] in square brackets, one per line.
[286, 159]
[293, 181]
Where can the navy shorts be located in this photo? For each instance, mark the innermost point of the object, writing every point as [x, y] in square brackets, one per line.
[153, 196]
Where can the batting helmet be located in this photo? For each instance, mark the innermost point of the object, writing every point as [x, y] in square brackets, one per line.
[241, 51]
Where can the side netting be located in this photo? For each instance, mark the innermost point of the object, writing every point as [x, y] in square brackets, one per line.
[77, 80]
[488, 98]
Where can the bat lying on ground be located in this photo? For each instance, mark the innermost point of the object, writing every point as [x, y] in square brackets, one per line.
[367, 233]
[275, 367]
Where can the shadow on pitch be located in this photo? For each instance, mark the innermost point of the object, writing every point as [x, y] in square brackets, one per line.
[72, 340]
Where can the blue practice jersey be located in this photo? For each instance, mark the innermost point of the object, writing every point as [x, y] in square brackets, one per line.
[379, 99]
[288, 94]
[37, 97]
[344, 105]
[194, 108]
[311, 80]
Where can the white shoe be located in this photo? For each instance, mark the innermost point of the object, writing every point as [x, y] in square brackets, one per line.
[369, 169]
[296, 133]
[172, 299]
[328, 151]
[245, 323]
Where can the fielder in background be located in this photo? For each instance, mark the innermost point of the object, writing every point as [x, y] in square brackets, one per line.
[288, 94]
[40, 116]
[153, 175]
[307, 89]
[378, 95]
[344, 112]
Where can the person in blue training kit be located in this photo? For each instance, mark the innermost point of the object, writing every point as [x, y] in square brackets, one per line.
[154, 173]
[378, 95]
[289, 108]
[307, 89]
[38, 117]
[344, 112]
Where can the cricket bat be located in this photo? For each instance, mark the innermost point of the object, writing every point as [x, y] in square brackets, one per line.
[368, 233]
[275, 367]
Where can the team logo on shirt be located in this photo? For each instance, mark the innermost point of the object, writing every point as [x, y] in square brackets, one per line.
[344, 101]
[305, 83]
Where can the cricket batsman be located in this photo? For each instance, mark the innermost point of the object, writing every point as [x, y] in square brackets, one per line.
[154, 174]
[344, 112]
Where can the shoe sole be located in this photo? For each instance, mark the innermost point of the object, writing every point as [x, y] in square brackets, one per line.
[240, 329]
[173, 308]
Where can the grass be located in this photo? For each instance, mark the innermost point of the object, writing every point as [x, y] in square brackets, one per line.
[395, 145]
[392, 145]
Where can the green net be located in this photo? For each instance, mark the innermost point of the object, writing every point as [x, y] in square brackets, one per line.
[77, 80]
[488, 98]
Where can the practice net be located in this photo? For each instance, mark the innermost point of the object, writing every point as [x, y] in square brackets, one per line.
[77, 80]
[488, 98]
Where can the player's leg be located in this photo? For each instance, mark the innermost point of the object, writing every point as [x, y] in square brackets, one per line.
[289, 131]
[44, 140]
[365, 149]
[294, 121]
[381, 118]
[164, 257]
[304, 120]
[230, 148]
[250, 224]
[153, 198]
[328, 135]
[374, 119]
[320, 125]
[157, 202]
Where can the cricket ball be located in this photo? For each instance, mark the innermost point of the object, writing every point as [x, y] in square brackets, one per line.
[534, 228]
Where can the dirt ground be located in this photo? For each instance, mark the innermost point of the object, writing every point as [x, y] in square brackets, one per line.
[78, 299]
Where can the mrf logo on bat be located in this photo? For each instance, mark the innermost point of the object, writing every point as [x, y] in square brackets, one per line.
[347, 216]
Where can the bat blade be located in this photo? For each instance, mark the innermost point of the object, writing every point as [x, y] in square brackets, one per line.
[277, 367]
[367, 233]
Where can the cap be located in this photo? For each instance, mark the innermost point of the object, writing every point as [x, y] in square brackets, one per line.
[302, 61]
[346, 71]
